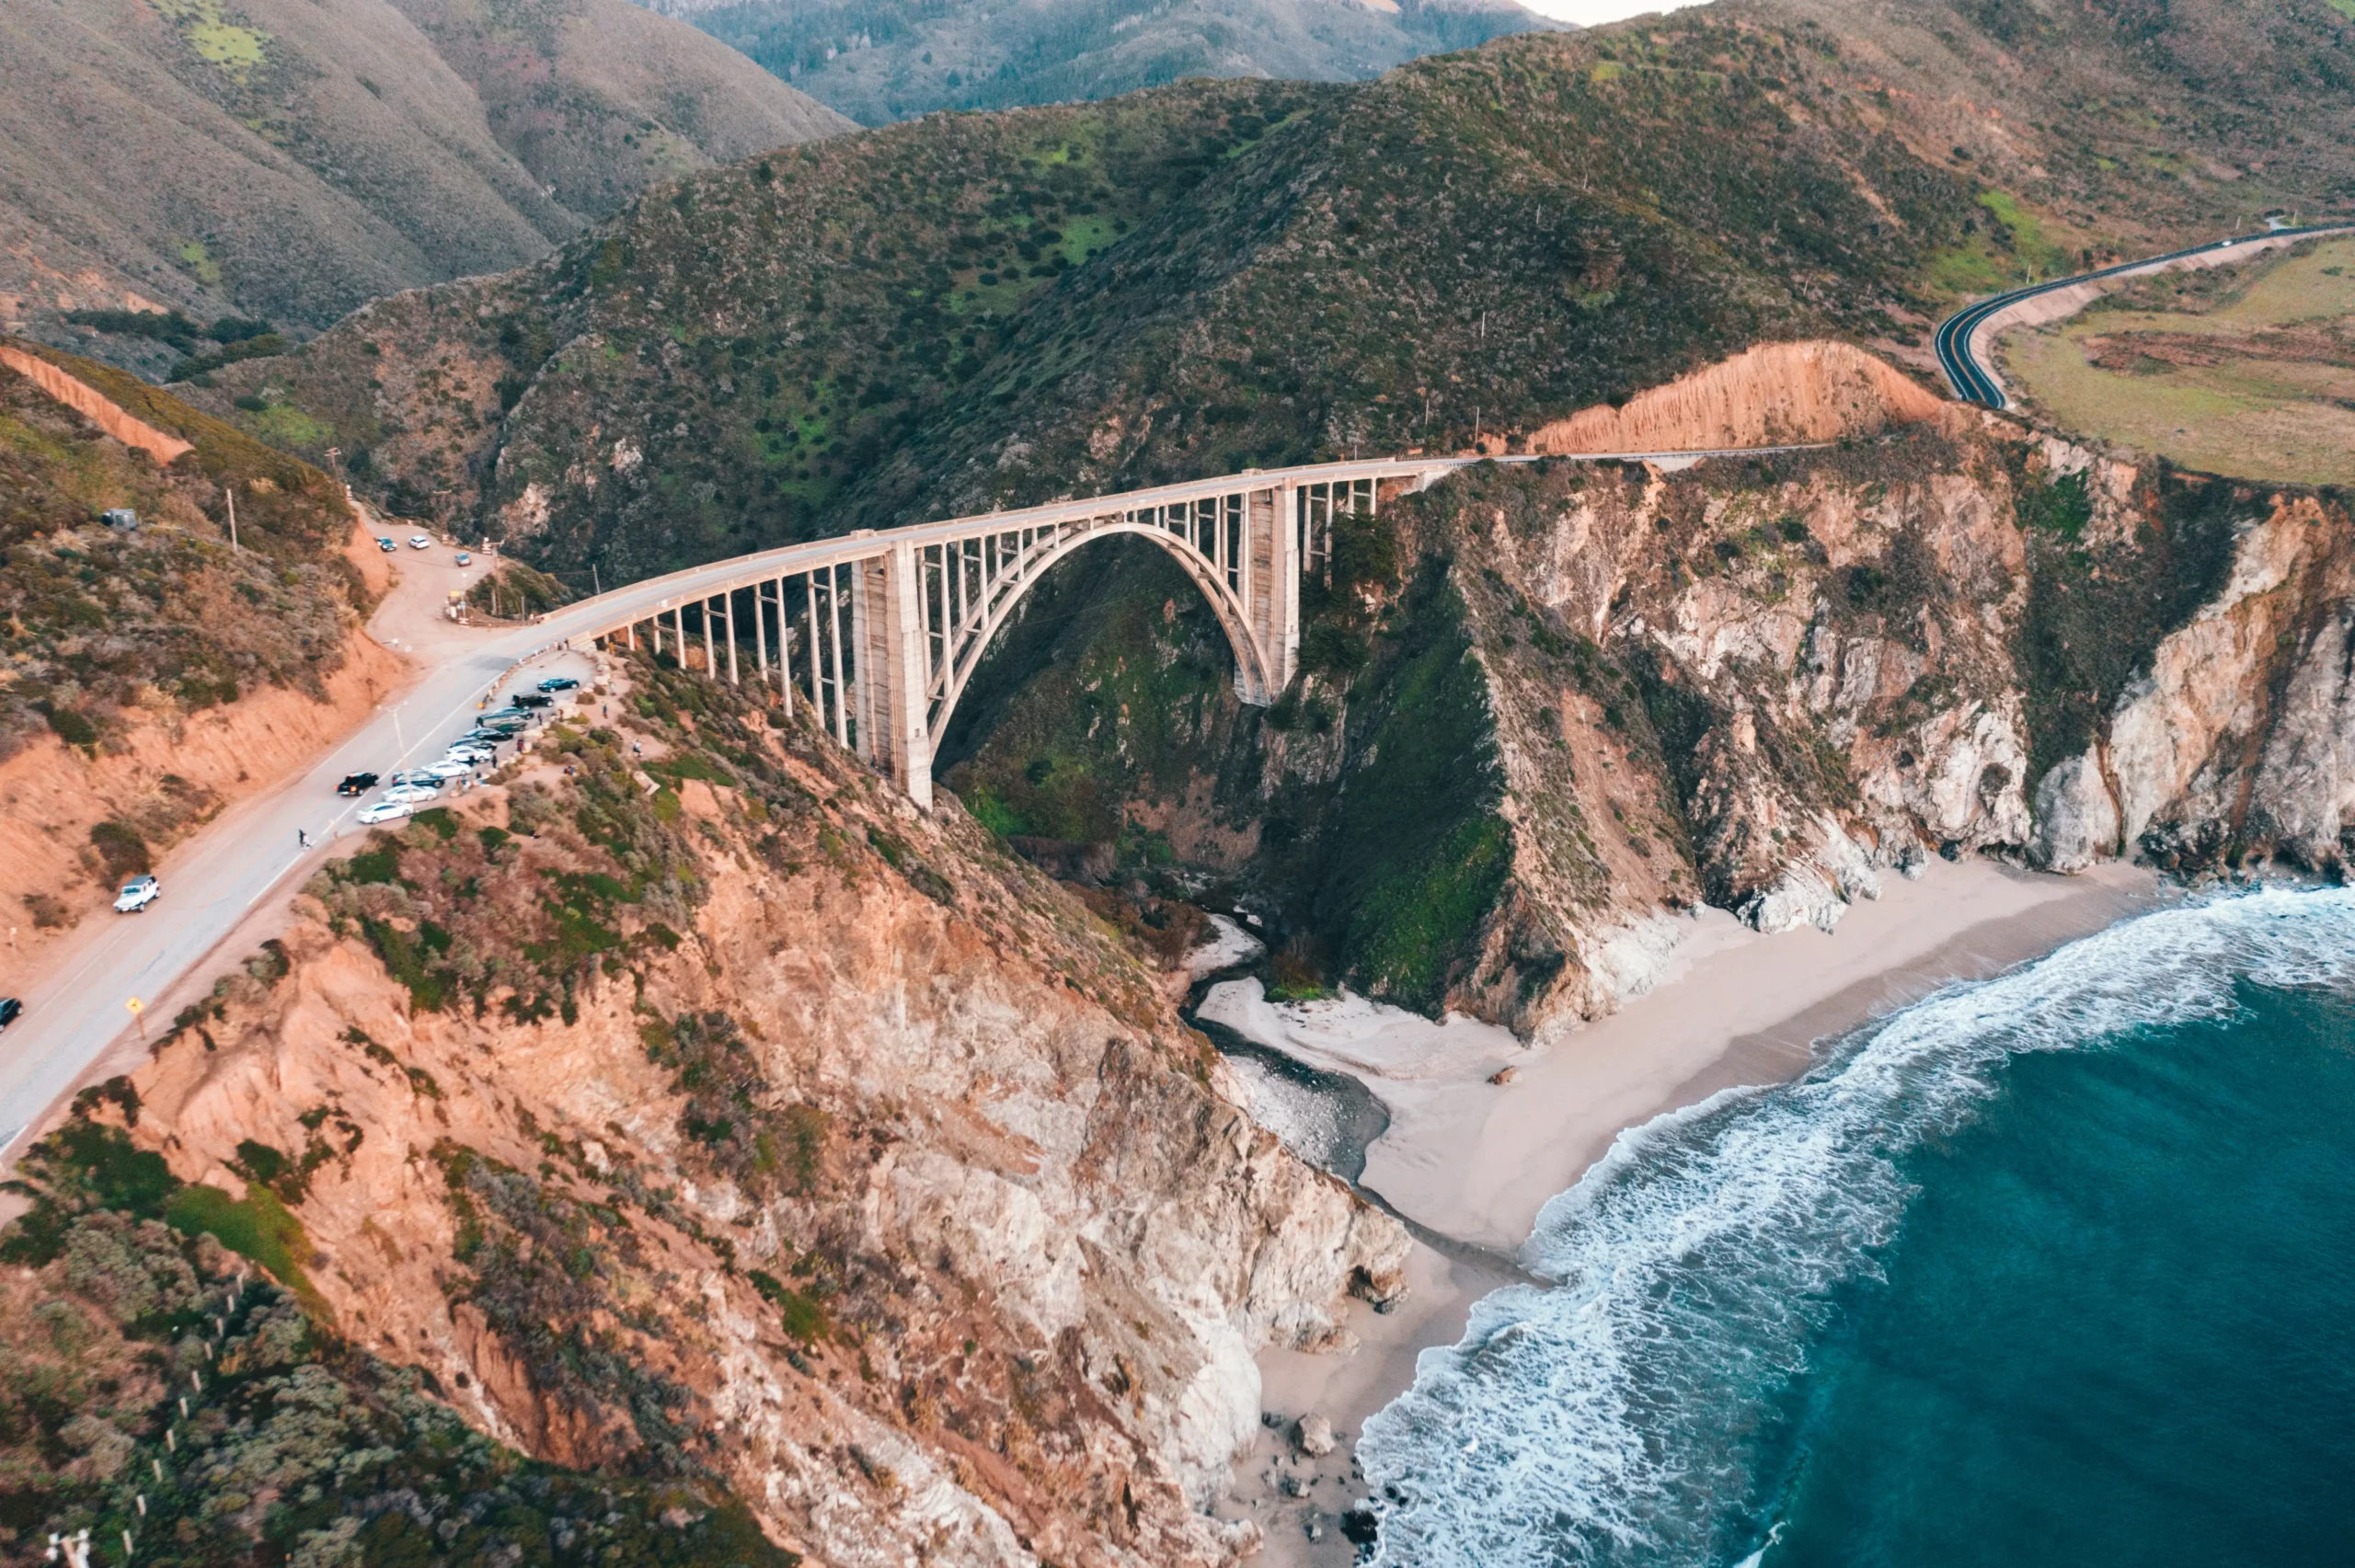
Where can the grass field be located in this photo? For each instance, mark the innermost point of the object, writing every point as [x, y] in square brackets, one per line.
[2247, 370]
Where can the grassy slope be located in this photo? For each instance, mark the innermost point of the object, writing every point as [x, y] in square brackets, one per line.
[279, 161]
[167, 618]
[895, 60]
[1252, 273]
[2246, 371]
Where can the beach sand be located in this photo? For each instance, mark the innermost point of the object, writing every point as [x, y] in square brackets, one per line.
[1471, 1162]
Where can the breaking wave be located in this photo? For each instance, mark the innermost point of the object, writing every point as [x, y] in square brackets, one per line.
[1617, 1417]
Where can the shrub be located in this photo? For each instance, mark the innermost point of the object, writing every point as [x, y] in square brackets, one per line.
[121, 847]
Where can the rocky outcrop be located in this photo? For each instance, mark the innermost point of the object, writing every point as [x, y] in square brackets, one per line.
[1763, 683]
[730, 1118]
[94, 406]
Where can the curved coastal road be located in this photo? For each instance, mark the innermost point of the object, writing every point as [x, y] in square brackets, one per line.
[1959, 357]
[74, 1016]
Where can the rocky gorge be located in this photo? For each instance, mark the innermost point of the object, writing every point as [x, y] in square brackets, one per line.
[1761, 683]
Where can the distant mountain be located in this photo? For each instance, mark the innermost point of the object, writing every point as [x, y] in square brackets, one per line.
[291, 160]
[879, 61]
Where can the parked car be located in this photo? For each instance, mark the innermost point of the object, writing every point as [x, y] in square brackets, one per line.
[356, 783]
[464, 559]
[417, 776]
[473, 751]
[559, 683]
[137, 894]
[531, 699]
[449, 768]
[419, 542]
[10, 1011]
[377, 811]
[506, 721]
[386, 545]
[410, 794]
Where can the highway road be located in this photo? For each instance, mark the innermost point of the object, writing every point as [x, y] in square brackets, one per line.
[214, 880]
[210, 883]
[1971, 379]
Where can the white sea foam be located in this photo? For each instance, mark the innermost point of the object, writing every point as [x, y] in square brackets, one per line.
[1613, 1418]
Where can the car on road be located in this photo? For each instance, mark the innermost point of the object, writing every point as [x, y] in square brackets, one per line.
[407, 794]
[531, 699]
[377, 811]
[448, 768]
[464, 559]
[137, 894]
[356, 783]
[559, 683]
[386, 545]
[419, 542]
[10, 1011]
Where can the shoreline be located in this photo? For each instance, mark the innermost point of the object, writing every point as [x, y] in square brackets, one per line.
[1475, 1162]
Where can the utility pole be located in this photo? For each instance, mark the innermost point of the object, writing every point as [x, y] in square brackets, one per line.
[597, 589]
[232, 517]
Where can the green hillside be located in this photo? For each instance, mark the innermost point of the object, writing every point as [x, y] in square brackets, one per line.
[981, 309]
[895, 60]
[289, 161]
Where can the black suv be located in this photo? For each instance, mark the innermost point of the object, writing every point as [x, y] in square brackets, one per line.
[528, 699]
[10, 1011]
[356, 783]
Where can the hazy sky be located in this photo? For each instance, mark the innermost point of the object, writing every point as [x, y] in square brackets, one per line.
[1587, 13]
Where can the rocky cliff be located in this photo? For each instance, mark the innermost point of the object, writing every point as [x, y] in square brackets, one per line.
[690, 1107]
[1543, 708]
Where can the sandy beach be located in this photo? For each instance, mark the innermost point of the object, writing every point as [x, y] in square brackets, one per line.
[1471, 1162]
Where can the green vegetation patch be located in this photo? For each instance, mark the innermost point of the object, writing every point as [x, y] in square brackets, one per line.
[2096, 615]
[1416, 854]
[363, 1464]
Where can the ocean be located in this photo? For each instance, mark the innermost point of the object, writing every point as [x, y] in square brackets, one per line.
[2054, 1268]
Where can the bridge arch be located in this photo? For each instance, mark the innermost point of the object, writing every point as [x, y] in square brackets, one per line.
[892, 623]
[1256, 679]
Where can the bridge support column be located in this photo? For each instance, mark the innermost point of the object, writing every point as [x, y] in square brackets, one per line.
[1283, 591]
[902, 710]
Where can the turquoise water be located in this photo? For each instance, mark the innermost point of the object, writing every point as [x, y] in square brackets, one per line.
[2055, 1269]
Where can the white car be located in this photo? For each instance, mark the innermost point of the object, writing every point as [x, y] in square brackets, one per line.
[407, 794]
[451, 768]
[419, 542]
[472, 752]
[385, 811]
[137, 894]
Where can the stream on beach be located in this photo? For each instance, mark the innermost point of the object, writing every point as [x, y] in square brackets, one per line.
[2046, 1268]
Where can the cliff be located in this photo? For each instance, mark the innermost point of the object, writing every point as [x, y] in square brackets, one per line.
[690, 1107]
[1545, 708]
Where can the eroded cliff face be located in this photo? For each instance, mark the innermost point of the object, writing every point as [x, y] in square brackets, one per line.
[713, 1114]
[1544, 709]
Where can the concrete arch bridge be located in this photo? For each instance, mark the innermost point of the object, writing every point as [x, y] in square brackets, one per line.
[881, 630]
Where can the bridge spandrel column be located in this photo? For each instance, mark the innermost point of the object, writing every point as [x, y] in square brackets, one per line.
[902, 704]
[1283, 584]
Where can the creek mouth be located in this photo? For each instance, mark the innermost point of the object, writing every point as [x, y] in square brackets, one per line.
[1330, 1119]
[1327, 1119]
